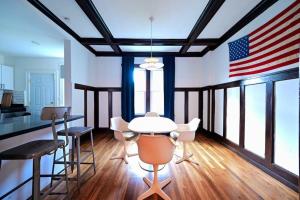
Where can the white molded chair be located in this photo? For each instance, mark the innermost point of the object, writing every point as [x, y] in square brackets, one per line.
[151, 114]
[186, 133]
[155, 150]
[122, 134]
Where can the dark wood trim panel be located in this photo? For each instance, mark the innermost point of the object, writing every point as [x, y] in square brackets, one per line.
[208, 109]
[200, 107]
[96, 109]
[146, 54]
[92, 13]
[147, 42]
[242, 117]
[210, 10]
[85, 107]
[187, 89]
[111, 89]
[84, 87]
[186, 106]
[225, 113]
[213, 104]
[110, 106]
[269, 142]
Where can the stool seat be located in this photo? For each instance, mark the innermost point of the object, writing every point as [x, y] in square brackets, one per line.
[76, 131]
[31, 150]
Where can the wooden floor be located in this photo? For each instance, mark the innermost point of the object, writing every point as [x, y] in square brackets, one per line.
[221, 175]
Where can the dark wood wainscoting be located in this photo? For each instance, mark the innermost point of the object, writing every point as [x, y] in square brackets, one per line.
[266, 164]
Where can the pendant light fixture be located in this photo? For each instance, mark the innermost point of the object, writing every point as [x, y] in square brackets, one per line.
[151, 63]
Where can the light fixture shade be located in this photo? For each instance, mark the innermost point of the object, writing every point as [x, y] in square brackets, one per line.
[151, 64]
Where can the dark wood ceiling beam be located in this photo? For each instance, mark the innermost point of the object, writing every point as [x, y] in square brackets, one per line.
[43, 9]
[92, 13]
[210, 10]
[146, 54]
[156, 42]
[251, 15]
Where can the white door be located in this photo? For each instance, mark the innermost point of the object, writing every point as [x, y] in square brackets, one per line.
[41, 91]
[7, 77]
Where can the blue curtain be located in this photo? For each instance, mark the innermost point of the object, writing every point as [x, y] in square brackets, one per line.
[169, 86]
[127, 104]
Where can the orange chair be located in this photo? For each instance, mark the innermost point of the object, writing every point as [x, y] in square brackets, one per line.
[155, 150]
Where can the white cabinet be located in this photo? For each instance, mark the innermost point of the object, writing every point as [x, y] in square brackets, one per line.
[7, 77]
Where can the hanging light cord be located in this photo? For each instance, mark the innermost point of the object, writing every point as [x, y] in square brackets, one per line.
[151, 19]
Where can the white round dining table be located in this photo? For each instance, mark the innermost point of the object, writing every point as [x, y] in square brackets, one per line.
[152, 125]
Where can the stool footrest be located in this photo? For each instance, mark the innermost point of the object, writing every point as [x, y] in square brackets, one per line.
[75, 178]
[16, 188]
[48, 191]
[75, 162]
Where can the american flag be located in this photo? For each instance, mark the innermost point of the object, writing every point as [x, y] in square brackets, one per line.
[274, 45]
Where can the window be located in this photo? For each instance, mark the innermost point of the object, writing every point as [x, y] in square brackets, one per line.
[139, 77]
[148, 91]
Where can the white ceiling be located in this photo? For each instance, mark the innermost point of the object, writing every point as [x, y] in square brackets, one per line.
[230, 13]
[148, 48]
[78, 22]
[20, 25]
[102, 47]
[196, 48]
[130, 18]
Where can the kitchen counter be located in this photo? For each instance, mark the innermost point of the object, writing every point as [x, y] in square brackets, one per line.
[11, 127]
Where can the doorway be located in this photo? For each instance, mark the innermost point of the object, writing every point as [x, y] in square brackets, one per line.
[41, 91]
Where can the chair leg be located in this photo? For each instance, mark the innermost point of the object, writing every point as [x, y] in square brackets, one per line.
[162, 194]
[123, 156]
[66, 172]
[36, 179]
[155, 187]
[186, 156]
[53, 167]
[92, 147]
[72, 154]
[78, 162]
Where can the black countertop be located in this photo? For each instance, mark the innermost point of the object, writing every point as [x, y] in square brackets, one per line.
[11, 127]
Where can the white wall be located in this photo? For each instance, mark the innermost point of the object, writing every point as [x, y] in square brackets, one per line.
[108, 72]
[188, 72]
[215, 64]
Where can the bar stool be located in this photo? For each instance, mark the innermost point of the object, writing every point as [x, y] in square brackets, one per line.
[76, 133]
[36, 149]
